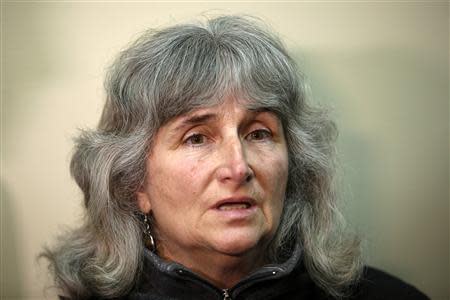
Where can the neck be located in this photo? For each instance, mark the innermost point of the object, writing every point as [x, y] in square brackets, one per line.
[222, 270]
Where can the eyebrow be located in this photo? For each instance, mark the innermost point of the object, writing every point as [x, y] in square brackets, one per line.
[195, 120]
[200, 118]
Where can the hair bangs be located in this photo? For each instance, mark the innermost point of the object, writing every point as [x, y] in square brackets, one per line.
[203, 69]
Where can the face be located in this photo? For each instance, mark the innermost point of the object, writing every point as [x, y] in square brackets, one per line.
[216, 180]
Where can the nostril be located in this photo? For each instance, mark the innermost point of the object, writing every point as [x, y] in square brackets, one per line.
[249, 175]
[238, 175]
[234, 165]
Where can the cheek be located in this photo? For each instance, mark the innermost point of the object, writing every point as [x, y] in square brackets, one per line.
[277, 175]
[172, 180]
[279, 192]
[273, 169]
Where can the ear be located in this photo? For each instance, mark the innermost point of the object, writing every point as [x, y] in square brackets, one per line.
[143, 201]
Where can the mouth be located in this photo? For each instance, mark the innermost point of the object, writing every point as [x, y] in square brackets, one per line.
[231, 206]
[234, 203]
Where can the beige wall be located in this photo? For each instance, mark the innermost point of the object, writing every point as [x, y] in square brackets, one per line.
[383, 67]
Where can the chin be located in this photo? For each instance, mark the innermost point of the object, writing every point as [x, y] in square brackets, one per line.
[238, 243]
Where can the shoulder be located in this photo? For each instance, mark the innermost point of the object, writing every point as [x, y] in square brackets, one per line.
[376, 284]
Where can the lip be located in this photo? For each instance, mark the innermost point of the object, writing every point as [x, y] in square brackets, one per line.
[235, 214]
[234, 200]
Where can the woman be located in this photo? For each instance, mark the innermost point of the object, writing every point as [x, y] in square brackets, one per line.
[210, 177]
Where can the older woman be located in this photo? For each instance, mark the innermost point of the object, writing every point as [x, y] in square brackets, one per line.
[210, 177]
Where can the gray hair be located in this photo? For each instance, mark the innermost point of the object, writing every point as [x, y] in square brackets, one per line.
[164, 74]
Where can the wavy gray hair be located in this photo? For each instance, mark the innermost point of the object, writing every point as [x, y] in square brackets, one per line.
[167, 73]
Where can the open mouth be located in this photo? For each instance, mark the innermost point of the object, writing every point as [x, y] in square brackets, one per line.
[235, 205]
[236, 208]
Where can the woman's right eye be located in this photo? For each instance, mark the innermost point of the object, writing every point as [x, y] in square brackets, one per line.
[195, 139]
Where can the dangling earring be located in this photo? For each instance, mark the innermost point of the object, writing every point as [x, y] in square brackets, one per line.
[148, 238]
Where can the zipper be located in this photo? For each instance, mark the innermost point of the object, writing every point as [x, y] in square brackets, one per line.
[195, 278]
[242, 285]
[226, 296]
[225, 293]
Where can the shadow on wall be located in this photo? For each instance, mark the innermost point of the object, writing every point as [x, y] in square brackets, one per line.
[26, 71]
[391, 106]
[11, 269]
[28, 64]
[355, 151]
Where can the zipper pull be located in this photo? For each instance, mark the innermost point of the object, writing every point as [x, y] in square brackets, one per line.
[226, 296]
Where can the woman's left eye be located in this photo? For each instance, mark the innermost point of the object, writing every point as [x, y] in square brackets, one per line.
[259, 135]
[195, 139]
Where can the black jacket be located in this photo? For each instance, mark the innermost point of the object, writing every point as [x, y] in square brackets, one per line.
[162, 280]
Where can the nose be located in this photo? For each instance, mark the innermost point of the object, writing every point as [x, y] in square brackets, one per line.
[234, 167]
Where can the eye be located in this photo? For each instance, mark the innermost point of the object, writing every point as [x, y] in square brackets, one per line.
[195, 139]
[259, 135]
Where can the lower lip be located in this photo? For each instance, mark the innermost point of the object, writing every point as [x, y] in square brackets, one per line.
[239, 213]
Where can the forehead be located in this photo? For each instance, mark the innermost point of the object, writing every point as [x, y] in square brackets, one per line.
[231, 106]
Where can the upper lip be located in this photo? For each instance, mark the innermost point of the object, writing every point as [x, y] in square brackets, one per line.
[235, 199]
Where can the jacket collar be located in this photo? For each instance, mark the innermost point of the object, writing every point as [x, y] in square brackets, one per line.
[159, 274]
[173, 268]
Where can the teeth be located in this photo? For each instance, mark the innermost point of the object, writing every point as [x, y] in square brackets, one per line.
[231, 206]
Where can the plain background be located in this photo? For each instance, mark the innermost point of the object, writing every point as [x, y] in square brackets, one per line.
[381, 66]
